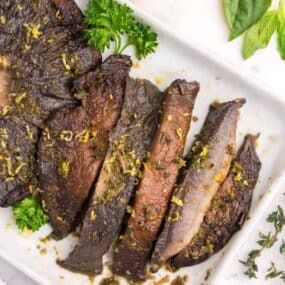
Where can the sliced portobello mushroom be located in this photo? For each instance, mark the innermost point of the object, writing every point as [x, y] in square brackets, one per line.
[208, 164]
[228, 210]
[130, 142]
[75, 141]
[158, 179]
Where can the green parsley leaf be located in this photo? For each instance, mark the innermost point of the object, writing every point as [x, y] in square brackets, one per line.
[259, 35]
[144, 40]
[110, 22]
[29, 214]
[248, 13]
[230, 10]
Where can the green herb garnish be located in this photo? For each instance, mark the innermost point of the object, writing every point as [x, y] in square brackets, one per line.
[259, 35]
[276, 218]
[110, 22]
[253, 18]
[243, 14]
[29, 214]
[282, 247]
[274, 273]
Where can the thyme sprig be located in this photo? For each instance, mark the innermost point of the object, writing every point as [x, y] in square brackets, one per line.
[282, 247]
[274, 273]
[276, 218]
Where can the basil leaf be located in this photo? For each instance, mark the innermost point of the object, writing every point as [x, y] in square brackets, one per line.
[281, 40]
[259, 35]
[248, 13]
[281, 11]
[230, 10]
[281, 29]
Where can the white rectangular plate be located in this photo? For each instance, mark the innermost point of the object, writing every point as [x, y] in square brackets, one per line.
[264, 113]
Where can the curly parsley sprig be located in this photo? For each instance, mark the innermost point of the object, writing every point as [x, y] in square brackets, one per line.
[276, 218]
[29, 214]
[108, 21]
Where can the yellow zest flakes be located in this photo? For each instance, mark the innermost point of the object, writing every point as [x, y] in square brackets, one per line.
[179, 133]
[150, 212]
[3, 144]
[66, 135]
[92, 216]
[63, 168]
[132, 171]
[133, 154]
[9, 179]
[30, 133]
[196, 145]
[133, 162]
[5, 110]
[208, 249]
[2, 20]
[186, 114]
[46, 20]
[230, 192]
[238, 173]
[4, 62]
[64, 61]
[216, 102]
[43, 251]
[140, 174]
[33, 31]
[44, 205]
[123, 200]
[220, 177]
[147, 154]
[20, 166]
[164, 280]
[169, 118]
[131, 211]
[238, 177]
[9, 166]
[20, 97]
[4, 133]
[60, 219]
[19, 7]
[33, 190]
[136, 64]
[111, 97]
[46, 133]
[181, 162]
[177, 201]
[205, 151]
[58, 15]
[86, 136]
[158, 79]
[26, 47]
[173, 218]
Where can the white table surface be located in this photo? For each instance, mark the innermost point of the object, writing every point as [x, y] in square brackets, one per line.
[200, 21]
